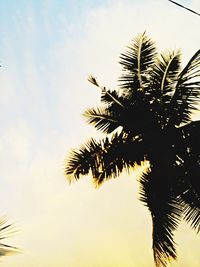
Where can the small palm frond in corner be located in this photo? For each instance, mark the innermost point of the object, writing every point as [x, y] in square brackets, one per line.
[6, 230]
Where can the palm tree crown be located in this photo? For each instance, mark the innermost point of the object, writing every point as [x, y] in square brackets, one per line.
[149, 119]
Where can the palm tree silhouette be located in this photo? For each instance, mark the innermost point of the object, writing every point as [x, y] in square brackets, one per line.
[149, 119]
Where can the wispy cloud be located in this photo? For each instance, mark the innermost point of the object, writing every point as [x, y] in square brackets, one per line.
[47, 55]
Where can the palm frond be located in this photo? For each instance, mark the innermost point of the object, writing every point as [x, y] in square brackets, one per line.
[114, 98]
[165, 212]
[187, 190]
[104, 159]
[93, 80]
[164, 74]
[189, 184]
[82, 160]
[162, 81]
[6, 231]
[136, 62]
[109, 97]
[191, 70]
[121, 153]
[102, 119]
[190, 135]
[105, 92]
[187, 93]
[186, 145]
[190, 200]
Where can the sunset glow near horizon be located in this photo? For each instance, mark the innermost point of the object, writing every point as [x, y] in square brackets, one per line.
[47, 50]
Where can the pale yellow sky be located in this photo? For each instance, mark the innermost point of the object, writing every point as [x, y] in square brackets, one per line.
[44, 92]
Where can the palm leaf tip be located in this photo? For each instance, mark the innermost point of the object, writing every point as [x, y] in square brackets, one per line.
[93, 80]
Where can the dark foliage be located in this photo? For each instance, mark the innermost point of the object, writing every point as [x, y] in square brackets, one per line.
[149, 119]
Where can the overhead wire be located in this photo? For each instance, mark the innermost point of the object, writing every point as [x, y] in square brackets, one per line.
[184, 7]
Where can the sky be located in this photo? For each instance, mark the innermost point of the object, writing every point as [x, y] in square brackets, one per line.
[47, 50]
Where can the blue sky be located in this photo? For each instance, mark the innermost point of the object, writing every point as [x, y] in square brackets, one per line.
[47, 50]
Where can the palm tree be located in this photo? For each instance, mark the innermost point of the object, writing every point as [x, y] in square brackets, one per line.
[149, 119]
